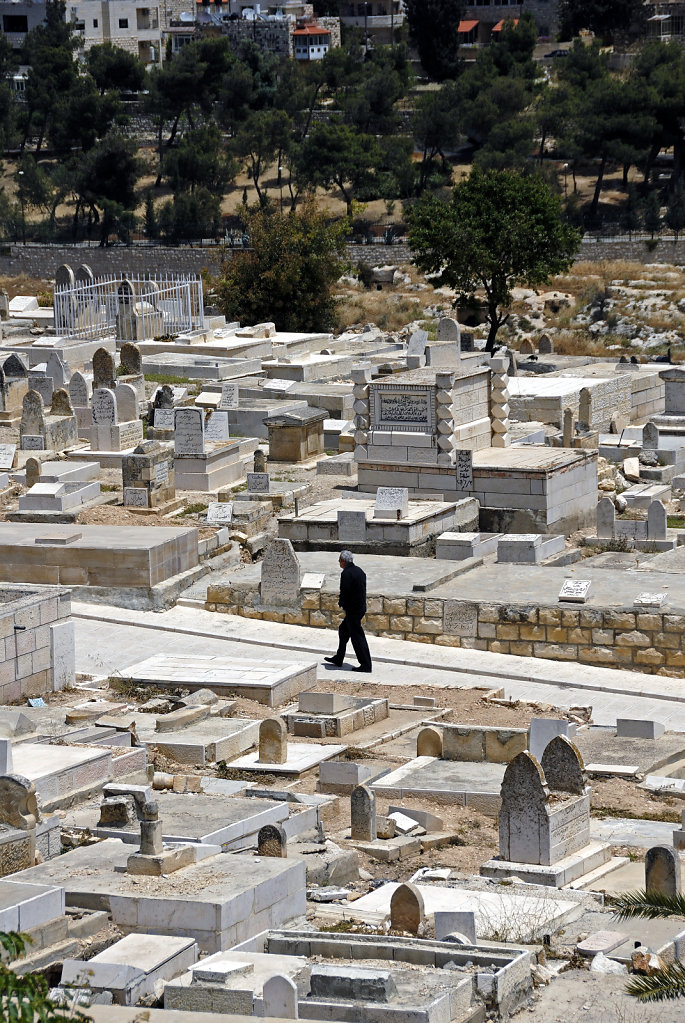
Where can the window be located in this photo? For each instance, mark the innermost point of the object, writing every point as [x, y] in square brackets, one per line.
[123, 22]
[95, 22]
[15, 23]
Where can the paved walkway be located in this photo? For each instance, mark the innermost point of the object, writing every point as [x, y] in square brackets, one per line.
[110, 639]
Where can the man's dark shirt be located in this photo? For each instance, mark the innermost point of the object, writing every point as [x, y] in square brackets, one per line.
[353, 591]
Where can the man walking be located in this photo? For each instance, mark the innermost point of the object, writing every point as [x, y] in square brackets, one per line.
[353, 602]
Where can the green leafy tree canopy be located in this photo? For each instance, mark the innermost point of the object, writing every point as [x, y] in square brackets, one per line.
[499, 230]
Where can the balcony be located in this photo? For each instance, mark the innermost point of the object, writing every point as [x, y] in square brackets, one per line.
[373, 21]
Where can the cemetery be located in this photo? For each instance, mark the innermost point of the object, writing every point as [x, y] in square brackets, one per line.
[204, 811]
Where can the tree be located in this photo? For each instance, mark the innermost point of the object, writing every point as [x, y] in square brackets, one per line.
[115, 69]
[336, 154]
[669, 982]
[49, 49]
[200, 159]
[104, 180]
[499, 230]
[24, 999]
[295, 258]
[675, 212]
[190, 215]
[652, 213]
[262, 139]
[606, 18]
[631, 213]
[437, 127]
[434, 24]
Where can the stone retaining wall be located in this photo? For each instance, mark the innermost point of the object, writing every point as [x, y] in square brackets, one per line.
[615, 638]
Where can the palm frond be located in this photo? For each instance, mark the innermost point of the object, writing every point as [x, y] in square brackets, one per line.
[659, 986]
[649, 905]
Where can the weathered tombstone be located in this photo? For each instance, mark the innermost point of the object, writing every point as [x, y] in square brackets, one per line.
[18, 805]
[576, 591]
[220, 512]
[657, 521]
[351, 525]
[363, 814]
[259, 462]
[585, 412]
[281, 575]
[105, 412]
[7, 453]
[273, 741]
[164, 397]
[61, 403]
[126, 319]
[127, 403]
[527, 347]
[189, 432]
[429, 742]
[104, 372]
[563, 766]
[64, 276]
[14, 367]
[150, 830]
[279, 997]
[523, 819]
[545, 345]
[258, 482]
[459, 921]
[79, 390]
[58, 370]
[32, 426]
[391, 503]
[272, 841]
[230, 396]
[216, 427]
[406, 909]
[606, 518]
[662, 870]
[163, 418]
[650, 437]
[84, 275]
[541, 731]
[417, 343]
[449, 331]
[131, 359]
[568, 428]
[6, 756]
[32, 471]
[463, 468]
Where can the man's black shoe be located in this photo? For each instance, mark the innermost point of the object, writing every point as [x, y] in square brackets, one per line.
[367, 671]
[334, 660]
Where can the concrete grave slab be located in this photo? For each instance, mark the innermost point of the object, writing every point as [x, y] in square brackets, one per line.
[301, 757]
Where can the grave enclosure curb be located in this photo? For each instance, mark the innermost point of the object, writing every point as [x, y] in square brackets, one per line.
[615, 638]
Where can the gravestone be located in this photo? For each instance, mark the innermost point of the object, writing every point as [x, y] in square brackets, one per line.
[189, 432]
[541, 731]
[230, 396]
[84, 275]
[651, 601]
[272, 841]
[79, 391]
[527, 347]
[523, 816]
[429, 742]
[362, 814]
[279, 997]
[545, 345]
[391, 503]
[14, 368]
[259, 463]
[662, 870]
[131, 359]
[576, 591]
[650, 437]
[657, 521]
[7, 453]
[32, 426]
[351, 525]
[105, 411]
[281, 575]
[258, 482]
[455, 921]
[417, 343]
[61, 403]
[64, 276]
[220, 512]
[406, 909]
[563, 766]
[606, 518]
[127, 403]
[151, 830]
[56, 369]
[585, 412]
[567, 440]
[164, 397]
[463, 468]
[4, 305]
[273, 741]
[460, 618]
[148, 476]
[163, 418]
[104, 371]
[449, 331]
[216, 427]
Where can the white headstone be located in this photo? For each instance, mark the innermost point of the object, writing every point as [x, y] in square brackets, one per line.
[576, 591]
[7, 453]
[6, 766]
[351, 525]
[230, 396]
[104, 407]
[127, 403]
[63, 654]
[220, 511]
[79, 391]
[216, 427]
[32, 442]
[543, 730]
[279, 995]
[650, 599]
[258, 482]
[390, 501]
[164, 418]
[136, 497]
[189, 431]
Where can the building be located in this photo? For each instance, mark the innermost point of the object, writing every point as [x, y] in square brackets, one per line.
[665, 20]
[311, 42]
[379, 20]
[133, 26]
[284, 33]
[483, 17]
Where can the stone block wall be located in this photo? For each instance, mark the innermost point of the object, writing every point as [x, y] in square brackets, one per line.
[36, 641]
[607, 637]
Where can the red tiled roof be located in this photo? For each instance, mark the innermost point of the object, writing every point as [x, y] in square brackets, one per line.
[466, 26]
[500, 24]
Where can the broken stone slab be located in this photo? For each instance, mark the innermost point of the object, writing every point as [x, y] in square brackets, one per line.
[351, 982]
[455, 922]
[327, 894]
[429, 821]
[600, 941]
[200, 698]
[392, 850]
[405, 825]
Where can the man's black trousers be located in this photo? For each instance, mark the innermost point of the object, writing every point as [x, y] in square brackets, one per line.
[350, 628]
